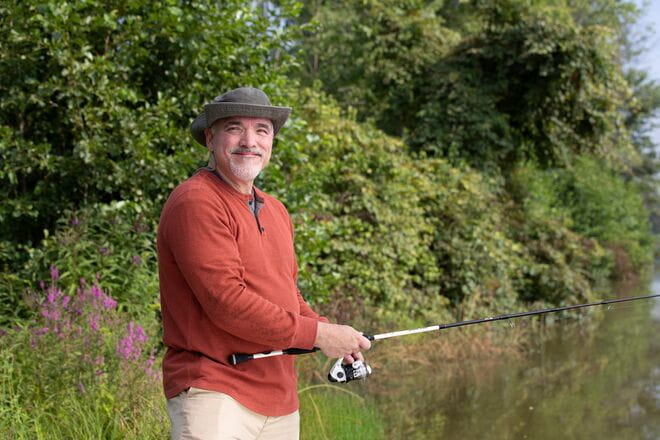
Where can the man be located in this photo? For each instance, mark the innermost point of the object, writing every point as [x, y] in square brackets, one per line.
[228, 285]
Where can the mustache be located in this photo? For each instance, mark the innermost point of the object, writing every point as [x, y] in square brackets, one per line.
[241, 150]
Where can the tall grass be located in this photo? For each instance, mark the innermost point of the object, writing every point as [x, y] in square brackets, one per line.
[78, 369]
[331, 412]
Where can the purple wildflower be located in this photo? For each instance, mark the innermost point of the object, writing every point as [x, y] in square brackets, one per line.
[149, 367]
[94, 321]
[41, 331]
[54, 273]
[96, 291]
[137, 260]
[104, 250]
[130, 346]
[75, 221]
[109, 302]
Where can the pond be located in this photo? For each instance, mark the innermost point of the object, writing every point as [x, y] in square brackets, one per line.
[594, 378]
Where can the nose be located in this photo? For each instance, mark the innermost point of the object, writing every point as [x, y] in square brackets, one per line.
[248, 138]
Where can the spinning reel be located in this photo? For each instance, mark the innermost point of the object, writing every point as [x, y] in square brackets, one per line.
[343, 373]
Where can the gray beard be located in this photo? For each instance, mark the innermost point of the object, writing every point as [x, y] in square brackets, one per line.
[242, 172]
[245, 173]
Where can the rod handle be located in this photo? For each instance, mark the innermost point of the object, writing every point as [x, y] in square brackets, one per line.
[300, 350]
[238, 358]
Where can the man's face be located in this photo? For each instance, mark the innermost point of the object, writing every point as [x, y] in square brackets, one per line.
[241, 146]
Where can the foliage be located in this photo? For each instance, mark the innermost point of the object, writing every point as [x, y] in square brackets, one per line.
[509, 82]
[494, 254]
[377, 226]
[79, 368]
[606, 207]
[595, 204]
[388, 47]
[96, 96]
[361, 233]
[384, 235]
[527, 86]
[641, 119]
[115, 242]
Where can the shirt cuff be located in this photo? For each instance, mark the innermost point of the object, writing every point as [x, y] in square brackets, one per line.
[306, 334]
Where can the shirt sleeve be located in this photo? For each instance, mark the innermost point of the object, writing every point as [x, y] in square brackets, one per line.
[199, 234]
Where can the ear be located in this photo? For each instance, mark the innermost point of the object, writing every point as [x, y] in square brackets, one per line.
[208, 134]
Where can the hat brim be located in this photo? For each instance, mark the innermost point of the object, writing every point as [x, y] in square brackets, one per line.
[218, 110]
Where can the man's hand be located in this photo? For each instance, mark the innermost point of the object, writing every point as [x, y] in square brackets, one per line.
[341, 341]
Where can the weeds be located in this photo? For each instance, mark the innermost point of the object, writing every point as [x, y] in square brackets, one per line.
[79, 369]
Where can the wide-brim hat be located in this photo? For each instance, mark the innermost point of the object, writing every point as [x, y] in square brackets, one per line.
[244, 101]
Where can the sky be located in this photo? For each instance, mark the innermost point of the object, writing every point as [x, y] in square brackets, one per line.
[650, 59]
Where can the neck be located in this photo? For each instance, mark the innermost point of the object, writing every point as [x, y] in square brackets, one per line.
[241, 187]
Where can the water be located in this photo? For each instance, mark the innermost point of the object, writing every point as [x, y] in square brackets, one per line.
[597, 378]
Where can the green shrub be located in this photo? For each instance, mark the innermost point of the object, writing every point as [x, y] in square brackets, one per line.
[113, 242]
[605, 206]
[362, 239]
[98, 97]
[592, 202]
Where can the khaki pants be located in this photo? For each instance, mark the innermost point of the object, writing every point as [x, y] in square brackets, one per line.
[209, 415]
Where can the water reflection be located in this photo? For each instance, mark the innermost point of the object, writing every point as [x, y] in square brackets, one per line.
[595, 379]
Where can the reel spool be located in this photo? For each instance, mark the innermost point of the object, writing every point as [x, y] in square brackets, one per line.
[343, 373]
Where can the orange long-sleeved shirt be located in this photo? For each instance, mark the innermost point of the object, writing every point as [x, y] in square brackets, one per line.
[228, 285]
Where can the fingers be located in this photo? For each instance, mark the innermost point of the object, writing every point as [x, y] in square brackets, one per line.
[340, 341]
[365, 343]
[353, 357]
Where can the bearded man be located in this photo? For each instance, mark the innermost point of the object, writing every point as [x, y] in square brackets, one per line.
[228, 274]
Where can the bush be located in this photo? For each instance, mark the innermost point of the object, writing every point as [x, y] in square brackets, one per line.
[115, 242]
[592, 202]
[98, 97]
[362, 238]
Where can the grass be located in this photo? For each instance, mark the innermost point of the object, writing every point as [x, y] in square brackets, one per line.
[80, 371]
[327, 411]
[332, 412]
[40, 404]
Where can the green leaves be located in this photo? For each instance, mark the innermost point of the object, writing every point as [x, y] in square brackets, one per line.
[100, 96]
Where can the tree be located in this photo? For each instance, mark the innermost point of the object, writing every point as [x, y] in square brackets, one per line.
[510, 82]
[98, 96]
[368, 58]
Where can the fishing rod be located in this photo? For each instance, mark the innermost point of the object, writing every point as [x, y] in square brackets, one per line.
[359, 370]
